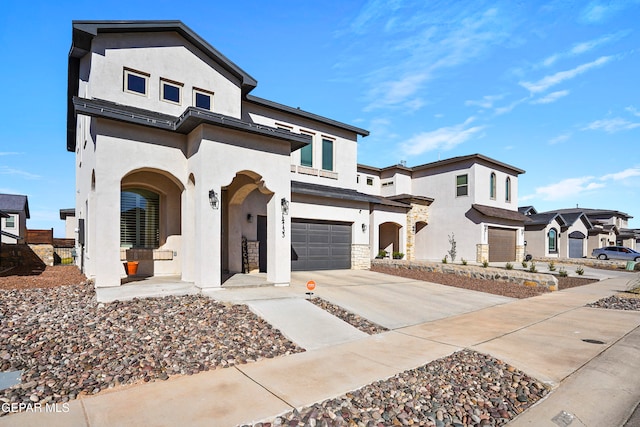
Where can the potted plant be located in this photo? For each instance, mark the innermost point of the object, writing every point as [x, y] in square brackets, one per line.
[131, 267]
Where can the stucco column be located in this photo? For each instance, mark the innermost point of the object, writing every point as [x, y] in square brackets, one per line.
[278, 241]
[105, 220]
[188, 233]
[208, 240]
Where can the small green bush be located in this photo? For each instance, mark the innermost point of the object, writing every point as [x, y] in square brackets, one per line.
[382, 254]
[532, 267]
[398, 255]
[552, 266]
[562, 272]
[464, 261]
[508, 266]
[524, 264]
[444, 260]
[485, 263]
[580, 271]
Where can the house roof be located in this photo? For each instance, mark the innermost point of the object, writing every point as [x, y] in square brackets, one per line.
[571, 219]
[189, 120]
[594, 213]
[14, 203]
[64, 213]
[527, 210]
[3, 214]
[408, 198]
[545, 218]
[305, 114]
[460, 159]
[500, 213]
[341, 193]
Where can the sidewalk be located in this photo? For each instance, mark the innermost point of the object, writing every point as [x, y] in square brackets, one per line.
[542, 336]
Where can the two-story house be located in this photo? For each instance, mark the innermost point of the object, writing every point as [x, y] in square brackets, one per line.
[15, 208]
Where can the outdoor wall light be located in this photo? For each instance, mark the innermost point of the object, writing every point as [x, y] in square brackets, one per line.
[364, 227]
[249, 217]
[213, 199]
[284, 203]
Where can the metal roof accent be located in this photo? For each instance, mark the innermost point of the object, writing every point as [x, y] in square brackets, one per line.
[305, 114]
[189, 120]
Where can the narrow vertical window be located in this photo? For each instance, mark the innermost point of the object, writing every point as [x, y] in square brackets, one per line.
[492, 184]
[553, 241]
[10, 222]
[306, 154]
[507, 190]
[327, 154]
[462, 185]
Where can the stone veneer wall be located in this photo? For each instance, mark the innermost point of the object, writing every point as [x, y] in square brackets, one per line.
[589, 262]
[519, 253]
[360, 257]
[417, 213]
[253, 252]
[44, 252]
[482, 252]
[511, 276]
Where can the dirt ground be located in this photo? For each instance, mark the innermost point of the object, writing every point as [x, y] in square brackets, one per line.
[51, 277]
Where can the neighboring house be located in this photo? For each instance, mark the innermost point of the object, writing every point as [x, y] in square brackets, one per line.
[180, 168]
[70, 223]
[14, 225]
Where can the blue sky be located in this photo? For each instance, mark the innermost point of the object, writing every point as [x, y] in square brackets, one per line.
[549, 87]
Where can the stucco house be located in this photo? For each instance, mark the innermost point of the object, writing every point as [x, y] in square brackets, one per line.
[180, 168]
[14, 221]
[555, 235]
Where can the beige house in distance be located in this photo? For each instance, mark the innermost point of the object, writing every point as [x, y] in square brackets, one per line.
[180, 168]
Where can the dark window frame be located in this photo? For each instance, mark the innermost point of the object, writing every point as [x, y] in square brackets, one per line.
[462, 189]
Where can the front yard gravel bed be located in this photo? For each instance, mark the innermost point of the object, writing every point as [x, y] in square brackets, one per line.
[466, 388]
[67, 344]
[618, 302]
[351, 318]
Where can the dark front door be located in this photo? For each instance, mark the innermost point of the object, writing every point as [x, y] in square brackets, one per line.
[262, 243]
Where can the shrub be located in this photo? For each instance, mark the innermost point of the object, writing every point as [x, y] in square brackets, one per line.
[580, 271]
[382, 254]
[508, 266]
[444, 260]
[452, 251]
[524, 264]
[552, 266]
[562, 272]
[464, 261]
[398, 255]
[485, 263]
[532, 267]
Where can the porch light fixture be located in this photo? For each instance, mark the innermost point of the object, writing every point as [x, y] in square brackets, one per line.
[364, 227]
[213, 199]
[284, 203]
[249, 217]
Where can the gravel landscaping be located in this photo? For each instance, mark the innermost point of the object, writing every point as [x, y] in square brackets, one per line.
[67, 344]
[351, 318]
[466, 388]
[618, 302]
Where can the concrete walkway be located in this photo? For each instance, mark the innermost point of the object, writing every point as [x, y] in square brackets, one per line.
[594, 384]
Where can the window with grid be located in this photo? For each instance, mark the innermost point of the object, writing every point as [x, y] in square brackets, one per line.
[139, 219]
[462, 185]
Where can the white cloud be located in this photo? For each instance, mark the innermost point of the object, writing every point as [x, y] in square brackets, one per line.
[560, 138]
[633, 111]
[9, 153]
[393, 93]
[444, 138]
[552, 97]
[6, 170]
[599, 11]
[618, 176]
[611, 125]
[552, 80]
[508, 108]
[565, 189]
[486, 102]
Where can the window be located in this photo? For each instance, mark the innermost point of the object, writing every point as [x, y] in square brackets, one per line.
[139, 219]
[203, 99]
[135, 81]
[369, 180]
[10, 222]
[171, 91]
[553, 241]
[306, 153]
[357, 179]
[492, 184]
[462, 185]
[327, 154]
[507, 189]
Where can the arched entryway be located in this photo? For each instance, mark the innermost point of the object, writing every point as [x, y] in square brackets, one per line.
[244, 224]
[389, 237]
[151, 221]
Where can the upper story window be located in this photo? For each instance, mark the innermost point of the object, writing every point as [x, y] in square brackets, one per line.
[507, 190]
[357, 179]
[462, 185]
[306, 153]
[203, 99]
[492, 184]
[171, 91]
[10, 222]
[387, 183]
[136, 81]
[327, 154]
[553, 241]
[369, 180]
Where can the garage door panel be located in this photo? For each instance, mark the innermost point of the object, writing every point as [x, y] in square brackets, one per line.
[502, 244]
[320, 246]
[575, 248]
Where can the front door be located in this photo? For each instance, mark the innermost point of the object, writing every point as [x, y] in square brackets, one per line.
[262, 243]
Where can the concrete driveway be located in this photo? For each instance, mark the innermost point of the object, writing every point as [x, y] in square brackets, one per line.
[391, 301]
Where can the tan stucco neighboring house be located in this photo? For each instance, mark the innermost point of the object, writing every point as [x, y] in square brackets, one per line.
[14, 221]
[543, 233]
[181, 169]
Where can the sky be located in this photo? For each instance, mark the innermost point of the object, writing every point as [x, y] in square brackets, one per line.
[551, 87]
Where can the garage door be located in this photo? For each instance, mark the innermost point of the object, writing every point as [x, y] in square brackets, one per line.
[576, 246]
[502, 245]
[320, 245]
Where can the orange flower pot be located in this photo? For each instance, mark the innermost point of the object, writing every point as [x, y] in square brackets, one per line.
[131, 267]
